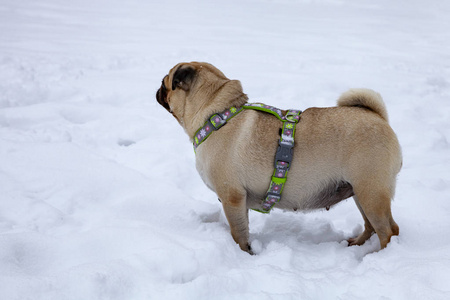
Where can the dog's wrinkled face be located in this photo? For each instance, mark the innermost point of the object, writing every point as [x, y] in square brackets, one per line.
[174, 89]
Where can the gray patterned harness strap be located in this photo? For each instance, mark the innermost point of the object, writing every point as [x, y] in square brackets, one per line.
[284, 154]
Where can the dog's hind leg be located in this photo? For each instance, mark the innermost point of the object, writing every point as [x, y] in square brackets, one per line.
[375, 205]
[368, 229]
[235, 208]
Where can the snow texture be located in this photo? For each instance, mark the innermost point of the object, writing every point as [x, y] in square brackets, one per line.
[99, 196]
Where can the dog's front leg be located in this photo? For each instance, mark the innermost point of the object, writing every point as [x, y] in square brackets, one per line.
[235, 207]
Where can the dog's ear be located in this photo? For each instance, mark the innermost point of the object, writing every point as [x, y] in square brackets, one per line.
[183, 77]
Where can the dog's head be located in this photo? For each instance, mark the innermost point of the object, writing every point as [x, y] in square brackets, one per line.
[180, 77]
[193, 90]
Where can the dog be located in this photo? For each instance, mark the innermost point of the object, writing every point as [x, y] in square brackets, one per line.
[343, 151]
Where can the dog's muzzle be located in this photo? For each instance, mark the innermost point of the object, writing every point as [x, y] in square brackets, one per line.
[161, 97]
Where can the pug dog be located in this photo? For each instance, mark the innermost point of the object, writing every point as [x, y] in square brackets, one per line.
[342, 151]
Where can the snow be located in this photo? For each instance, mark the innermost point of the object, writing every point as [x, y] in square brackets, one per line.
[99, 196]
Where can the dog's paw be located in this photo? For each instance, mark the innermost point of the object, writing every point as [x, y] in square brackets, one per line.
[248, 249]
[357, 241]
[352, 242]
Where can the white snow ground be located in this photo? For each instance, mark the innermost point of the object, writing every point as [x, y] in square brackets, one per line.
[99, 196]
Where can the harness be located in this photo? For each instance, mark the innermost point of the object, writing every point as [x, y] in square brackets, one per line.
[284, 154]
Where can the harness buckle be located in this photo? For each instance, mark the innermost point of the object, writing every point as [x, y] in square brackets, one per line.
[284, 153]
[217, 121]
[293, 115]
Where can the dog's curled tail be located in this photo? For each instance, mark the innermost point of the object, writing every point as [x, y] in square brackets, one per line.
[364, 98]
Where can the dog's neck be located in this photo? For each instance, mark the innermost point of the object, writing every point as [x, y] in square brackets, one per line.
[220, 102]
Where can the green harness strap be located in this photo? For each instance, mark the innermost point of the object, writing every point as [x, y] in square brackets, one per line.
[283, 157]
